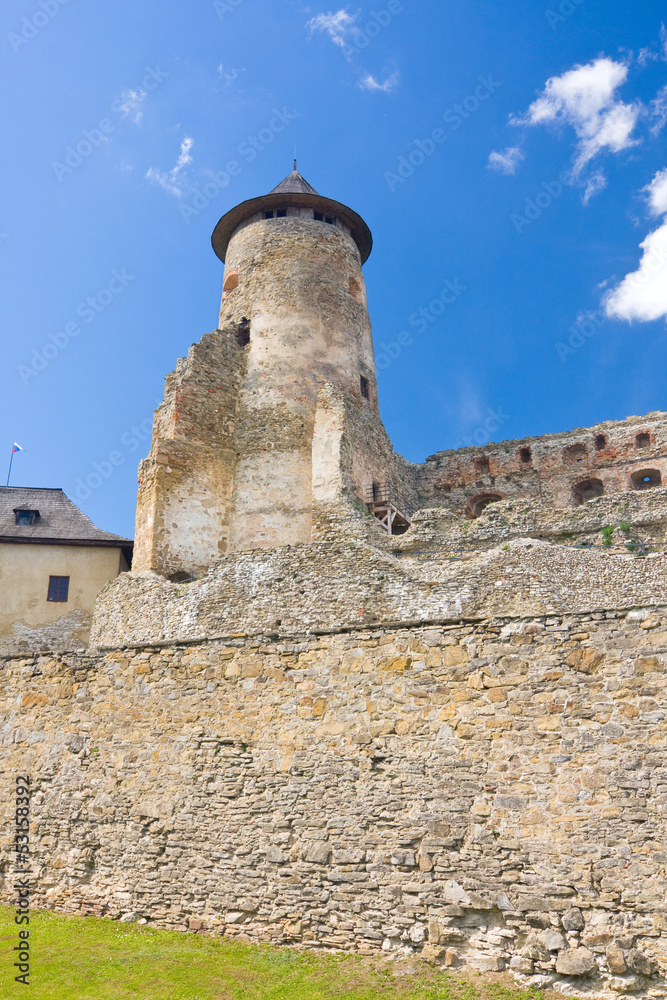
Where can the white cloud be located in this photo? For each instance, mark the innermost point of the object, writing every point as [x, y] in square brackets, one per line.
[337, 26]
[172, 181]
[596, 183]
[585, 98]
[369, 82]
[130, 103]
[505, 160]
[642, 295]
[658, 110]
[650, 53]
[657, 193]
[229, 75]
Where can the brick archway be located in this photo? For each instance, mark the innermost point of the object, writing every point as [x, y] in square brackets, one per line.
[476, 504]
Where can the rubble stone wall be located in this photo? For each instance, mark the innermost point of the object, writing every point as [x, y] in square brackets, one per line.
[339, 584]
[488, 794]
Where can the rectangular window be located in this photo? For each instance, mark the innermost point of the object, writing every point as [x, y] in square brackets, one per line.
[318, 217]
[268, 215]
[329, 220]
[281, 213]
[58, 589]
[365, 392]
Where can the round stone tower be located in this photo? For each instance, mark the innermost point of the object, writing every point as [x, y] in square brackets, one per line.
[294, 293]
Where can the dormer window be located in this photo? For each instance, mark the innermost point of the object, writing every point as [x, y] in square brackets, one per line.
[25, 517]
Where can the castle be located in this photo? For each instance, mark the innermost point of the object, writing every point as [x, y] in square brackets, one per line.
[246, 452]
[348, 701]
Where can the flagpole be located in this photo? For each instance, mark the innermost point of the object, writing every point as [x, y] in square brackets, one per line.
[10, 465]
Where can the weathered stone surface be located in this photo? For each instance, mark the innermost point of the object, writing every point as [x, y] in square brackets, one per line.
[576, 962]
[640, 963]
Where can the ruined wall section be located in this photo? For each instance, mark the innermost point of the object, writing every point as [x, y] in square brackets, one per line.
[184, 501]
[351, 452]
[487, 795]
[563, 469]
[638, 520]
[339, 583]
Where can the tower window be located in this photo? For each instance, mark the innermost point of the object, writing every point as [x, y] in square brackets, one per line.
[600, 442]
[642, 440]
[58, 589]
[525, 455]
[329, 220]
[281, 213]
[318, 217]
[482, 464]
[365, 388]
[243, 332]
[268, 215]
[26, 517]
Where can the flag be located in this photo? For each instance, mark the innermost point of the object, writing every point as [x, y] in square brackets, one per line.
[17, 447]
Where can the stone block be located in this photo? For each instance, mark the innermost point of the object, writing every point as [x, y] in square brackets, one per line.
[576, 962]
[615, 958]
[573, 919]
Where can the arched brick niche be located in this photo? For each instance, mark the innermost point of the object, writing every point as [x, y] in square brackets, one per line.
[645, 479]
[587, 489]
[477, 503]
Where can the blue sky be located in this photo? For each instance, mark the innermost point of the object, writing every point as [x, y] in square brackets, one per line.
[509, 157]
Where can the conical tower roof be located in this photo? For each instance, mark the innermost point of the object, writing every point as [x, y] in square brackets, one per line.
[292, 192]
[294, 183]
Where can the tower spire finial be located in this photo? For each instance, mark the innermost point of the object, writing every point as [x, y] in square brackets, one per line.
[295, 159]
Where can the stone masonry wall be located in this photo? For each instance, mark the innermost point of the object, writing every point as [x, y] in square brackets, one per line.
[185, 484]
[488, 794]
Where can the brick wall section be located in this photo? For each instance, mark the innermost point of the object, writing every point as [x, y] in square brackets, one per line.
[452, 478]
[489, 795]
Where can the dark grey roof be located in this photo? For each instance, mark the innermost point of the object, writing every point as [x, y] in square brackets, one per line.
[294, 183]
[60, 521]
[293, 192]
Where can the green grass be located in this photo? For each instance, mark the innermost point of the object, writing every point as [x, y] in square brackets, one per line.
[77, 958]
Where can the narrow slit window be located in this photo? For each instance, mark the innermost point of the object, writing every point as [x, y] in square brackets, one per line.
[58, 589]
[365, 388]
